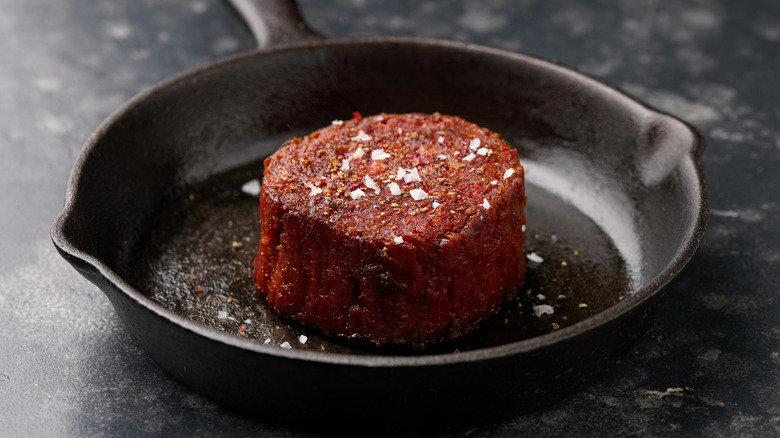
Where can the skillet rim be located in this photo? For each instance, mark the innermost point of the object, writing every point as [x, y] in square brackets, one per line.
[655, 286]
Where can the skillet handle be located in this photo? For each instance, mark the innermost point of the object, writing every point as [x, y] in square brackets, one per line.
[274, 22]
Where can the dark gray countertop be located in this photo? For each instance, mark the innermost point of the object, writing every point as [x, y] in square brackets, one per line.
[709, 365]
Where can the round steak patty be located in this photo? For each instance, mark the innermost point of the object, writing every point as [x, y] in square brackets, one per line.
[396, 228]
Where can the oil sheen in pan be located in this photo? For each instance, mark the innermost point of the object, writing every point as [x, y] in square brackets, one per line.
[195, 259]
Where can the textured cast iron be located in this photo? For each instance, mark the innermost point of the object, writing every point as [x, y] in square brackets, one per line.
[608, 177]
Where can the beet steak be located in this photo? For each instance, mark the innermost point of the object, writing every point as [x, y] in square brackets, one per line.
[399, 229]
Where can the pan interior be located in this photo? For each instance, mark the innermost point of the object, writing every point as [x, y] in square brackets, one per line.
[195, 260]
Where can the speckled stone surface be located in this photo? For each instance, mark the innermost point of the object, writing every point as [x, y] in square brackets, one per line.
[710, 364]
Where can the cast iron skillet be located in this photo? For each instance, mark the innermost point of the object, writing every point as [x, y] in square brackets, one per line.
[155, 216]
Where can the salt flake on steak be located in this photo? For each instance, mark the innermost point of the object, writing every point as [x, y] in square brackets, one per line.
[371, 184]
[356, 194]
[379, 154]
[362, 136]
[411, 175]
[418, 194]
[314, 190]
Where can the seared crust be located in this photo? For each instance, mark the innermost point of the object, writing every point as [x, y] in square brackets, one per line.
[357, 248]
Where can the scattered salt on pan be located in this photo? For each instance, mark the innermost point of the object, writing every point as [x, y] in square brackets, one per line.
[302, 339]
[561, 297]
[267, 341]
[523, 228]
[247, 321]
[441, 139]
[474, 144]
[362, 136]
[485, 204]
[379, 154]
[400, 173]
[251, 187]
[359, 152]
[344, 164]
[286, 345]
[494, 182]
[221, 314]
[314, 190]
[509, 172]
[412, 176]
[469, 157]
[482, 151]
[543, 309]
[371, 184]
[337, 122]
[541, 297]
[355, 194]
[418, 194]
[435, 204]
[534, 257]
[394, 189]
[441, 157]
[398, 240]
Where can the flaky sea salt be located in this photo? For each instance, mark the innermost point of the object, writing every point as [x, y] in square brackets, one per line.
[286, 345]
[482, 151]
[494, 182]
[474, 144]
[400, 173]
[302, 339]
[398, 240]
[541, 297]
[441, 157]
[418, 194]
[469, 157]
[379, 154]
[362, 136]
[359, 152]
[543, 309]
[509, 172]
[251, 187]
[435, 205]
[356, 194]
[395, 190]
[344, 165]
[314, 190]
[440, 139]
[485, 204]
[412, 176]
[534, 257]
[337, 122]
[371, 184]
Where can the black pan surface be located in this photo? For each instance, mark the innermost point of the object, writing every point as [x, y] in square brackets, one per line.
[156, 216]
